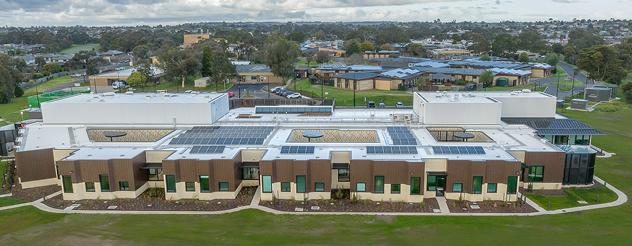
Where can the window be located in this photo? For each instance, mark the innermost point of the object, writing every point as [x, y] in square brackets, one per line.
[223, 186]
[67, 182]
[189, 186]
[155, 174]
[415, 185]
[105, 183]
[89, 186]
[536, 174]
[477, 184]
[378, 184]
[432, 183]
[285, 186]
[300, 184]
[457, 187]
[395, 188]
[250, 173]
[512, 184]
[360, 187]
[267, 184]
[319, 187]
[171, 183]
[123, 186]
[204, 184]
[343, 175]
[491, 187]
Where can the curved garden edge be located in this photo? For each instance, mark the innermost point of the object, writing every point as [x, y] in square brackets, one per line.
[621, 199]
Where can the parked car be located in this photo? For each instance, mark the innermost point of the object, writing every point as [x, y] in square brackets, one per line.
[381, 105]
[294, 95]
[399, 105]
[276, 89]
[371, 104]
[231, 93]
[285, 93]
[118, 84]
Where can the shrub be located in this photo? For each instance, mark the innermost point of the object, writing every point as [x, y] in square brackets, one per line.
[18, 91]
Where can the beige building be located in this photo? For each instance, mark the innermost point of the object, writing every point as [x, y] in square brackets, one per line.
[257, 73]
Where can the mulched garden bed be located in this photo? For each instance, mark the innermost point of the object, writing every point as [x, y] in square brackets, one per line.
[349, 206]
[489, 207]
[33, 194]
[153, 200]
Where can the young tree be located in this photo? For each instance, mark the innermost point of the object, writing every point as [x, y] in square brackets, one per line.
[627, 92]
[280, 54]
[552, 59]
[485, 58]
[137, 79]
[487, 78]
[352, 46]
[367, 46]
[523, 57]
[416, 50]
[207, 56]
[52, 68]
[322, 57]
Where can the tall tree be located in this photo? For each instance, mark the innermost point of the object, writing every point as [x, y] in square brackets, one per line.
[9, 77]
[352, 46]
[523, 57]
[179, 63]
[280, 54]
[487, 77]
[602, 63]
[503, 44]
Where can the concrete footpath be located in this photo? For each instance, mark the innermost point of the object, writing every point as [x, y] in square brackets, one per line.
[622, 198]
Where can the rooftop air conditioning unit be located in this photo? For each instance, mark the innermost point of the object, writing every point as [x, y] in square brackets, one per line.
[109, 94]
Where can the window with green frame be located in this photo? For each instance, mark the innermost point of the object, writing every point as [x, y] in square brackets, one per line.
[189, 186]
[123, 185]
[378, 184]
[204, 184]
[457, 187]
[90, 187]
[285, 187]
[536, 174]
[267, 184]
[432, 183]
[319, 187]
[223, 186]
[512, 184]
[477, 185]
[415, 185]
[300, 184]
[395, 188]
[104, 181]
[492, 187]
[67, 182]
[361, 187]
[171, 183]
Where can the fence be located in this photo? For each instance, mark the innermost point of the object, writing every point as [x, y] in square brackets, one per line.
[240, 103]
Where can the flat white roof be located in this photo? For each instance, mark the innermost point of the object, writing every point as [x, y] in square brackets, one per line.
[446, 97]
[105, 153]
[140, 98]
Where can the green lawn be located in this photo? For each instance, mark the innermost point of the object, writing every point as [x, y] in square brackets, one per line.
[345, 97]
[594, 195]
[612, 226]
[76, 48]
[10, 112]
[8, 201]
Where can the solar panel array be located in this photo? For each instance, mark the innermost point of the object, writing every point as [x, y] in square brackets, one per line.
[458, 150]
[297, 150]
[207, 149]
[401, 135]
[391, 150]
[224, 135]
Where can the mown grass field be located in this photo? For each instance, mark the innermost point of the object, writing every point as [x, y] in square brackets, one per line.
[10, 112]
[345, 97]
[76, 48]
[612, 226]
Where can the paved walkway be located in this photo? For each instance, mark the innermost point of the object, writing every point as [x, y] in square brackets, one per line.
[622, 198]
[256, 198]
[5, 195]
[443, 205]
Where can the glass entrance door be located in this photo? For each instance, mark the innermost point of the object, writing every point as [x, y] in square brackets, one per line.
[441, 180]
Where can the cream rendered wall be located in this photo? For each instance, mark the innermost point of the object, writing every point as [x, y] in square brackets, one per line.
[526, 106]
[157, 156]
[293, 195]
[454, 113]
[38, 183]
[252, 155]
[338, 185]
[500, 195]
[403, 196]
[80, 193]
[181, 193]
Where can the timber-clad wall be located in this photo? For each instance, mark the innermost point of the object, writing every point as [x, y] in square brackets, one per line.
[35, 164]
[493, 171]
[287, 170]
[129, 170]
[553, 163]
[394, 172]
[190, 170]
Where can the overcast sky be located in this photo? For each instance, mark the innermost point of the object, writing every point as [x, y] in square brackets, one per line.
[134, 12]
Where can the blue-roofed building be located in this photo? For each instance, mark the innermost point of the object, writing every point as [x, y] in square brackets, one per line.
[329, 71]
[381, 54]
[358, 81]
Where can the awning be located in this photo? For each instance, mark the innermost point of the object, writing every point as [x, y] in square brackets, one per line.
[340, 166]
[152, 166]
[437, 174]
[250, 164]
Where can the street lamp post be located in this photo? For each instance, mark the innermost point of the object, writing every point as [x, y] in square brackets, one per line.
[558, 87]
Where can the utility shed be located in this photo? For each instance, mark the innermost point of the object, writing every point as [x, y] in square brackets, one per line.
[136, 108]
[442, 108]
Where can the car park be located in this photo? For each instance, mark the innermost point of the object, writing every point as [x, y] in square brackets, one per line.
[294, 95]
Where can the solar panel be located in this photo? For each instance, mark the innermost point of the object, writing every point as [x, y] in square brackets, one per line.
[401, 136]
[297, 150]
[458, 150]
[225, 135]
[207, 149]
[391, 150]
